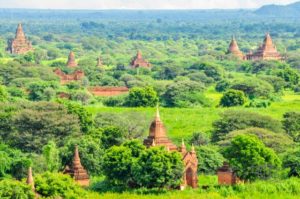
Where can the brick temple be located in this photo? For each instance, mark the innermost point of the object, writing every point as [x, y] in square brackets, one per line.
[226, 176]
[267, 51]
[19, 45]
[66, 78]
[77, 171]
[71, 60]
[235, 50]
[138, 61]
[158, 137]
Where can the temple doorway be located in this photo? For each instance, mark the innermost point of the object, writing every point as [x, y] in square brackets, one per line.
[189, 177]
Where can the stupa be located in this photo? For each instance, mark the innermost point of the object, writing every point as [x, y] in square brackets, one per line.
[234, 49]
[267, 51]
[158, 137]
[19, 45]
[138, 61]
[71, 60]
[77, 171]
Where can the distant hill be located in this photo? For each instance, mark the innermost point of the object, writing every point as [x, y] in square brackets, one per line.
[291, 10]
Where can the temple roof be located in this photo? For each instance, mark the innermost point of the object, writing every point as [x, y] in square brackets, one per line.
[71, 60]
[157, 128]
[30, 180]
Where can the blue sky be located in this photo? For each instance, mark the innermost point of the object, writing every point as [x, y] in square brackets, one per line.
[138, 4]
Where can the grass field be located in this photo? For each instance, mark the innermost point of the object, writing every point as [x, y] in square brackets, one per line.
[183, 122]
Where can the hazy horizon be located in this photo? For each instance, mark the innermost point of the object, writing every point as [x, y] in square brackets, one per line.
[139, 4]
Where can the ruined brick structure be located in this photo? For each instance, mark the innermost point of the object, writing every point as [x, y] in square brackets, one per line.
[158, 137]
[235, 50]
[19, 45]
[226, 176]
[71, 60]
[77, 171]
[267, 51]
[108, 91]
[138, 61]
[66, 78]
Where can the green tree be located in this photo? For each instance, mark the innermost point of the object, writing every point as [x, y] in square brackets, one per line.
[291, 125]
[235, 120]
[14, 189]
[51, 155]
[42, 90]
[199, 139]
[142, 97]
[250, 158]
[57, 185]
[111, 136]
[233, 98]
[291, 160]
[209, 159]
[157, 167]
[279, 142]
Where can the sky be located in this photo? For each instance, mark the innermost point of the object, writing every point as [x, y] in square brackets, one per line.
[138, 4]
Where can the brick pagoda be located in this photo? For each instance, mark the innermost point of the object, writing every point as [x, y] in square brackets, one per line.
[226, 176]
[66, 78]
[19, 45]
[99, 62]
[267, 51]
[138, 61]
[158, 137]
[71, 60]
[77, 171]
[235, 50]
[29, 179]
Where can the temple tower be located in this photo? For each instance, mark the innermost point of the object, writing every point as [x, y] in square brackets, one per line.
[158, 137]
[71, 60]
[19, 45]
[77, 171]
[234, 49]
[99, 62]
[138, 61]
[267, 51]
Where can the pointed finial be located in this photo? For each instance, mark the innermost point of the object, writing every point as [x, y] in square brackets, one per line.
[30, 180]
[157, 111]
[168, 148]
[193, 149]
[182, 143]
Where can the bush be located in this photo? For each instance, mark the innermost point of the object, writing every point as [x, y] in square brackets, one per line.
[223, 85]
[250, 158]
[259, 103]
[12, 189]
[209, 159]
[142, 97]
[199, 139]
[291, 125]
[233, 98]
[236, 120]
[58, 185]
[279, 142]
[3, 94]
[291, 160]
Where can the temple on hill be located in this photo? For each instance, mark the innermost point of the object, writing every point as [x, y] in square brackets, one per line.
[19, 45]
[158, 137]
[235, 50]
[66, 78]
[77, 171]
[267, 51]
[138, 61]
[71, 60]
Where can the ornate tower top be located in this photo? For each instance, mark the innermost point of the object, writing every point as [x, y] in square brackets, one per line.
[139, 55]
[19, 32]
[77, 171]
[138, 61]
[71, 60]
[19, 45]
[99, 62]
[30, 180]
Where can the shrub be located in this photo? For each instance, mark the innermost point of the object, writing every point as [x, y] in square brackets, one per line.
[223, 85]
[14, 189]
[209, 159]
[233, 98]
[235, 120]
[250, 158]
[291, 125]
[142, 97]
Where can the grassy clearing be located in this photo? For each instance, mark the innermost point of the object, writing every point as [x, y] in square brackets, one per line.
[183, 122]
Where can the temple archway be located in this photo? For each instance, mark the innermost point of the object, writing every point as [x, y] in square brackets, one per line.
[189, 177]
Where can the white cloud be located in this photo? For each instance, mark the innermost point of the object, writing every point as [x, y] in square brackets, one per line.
[138, 4]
